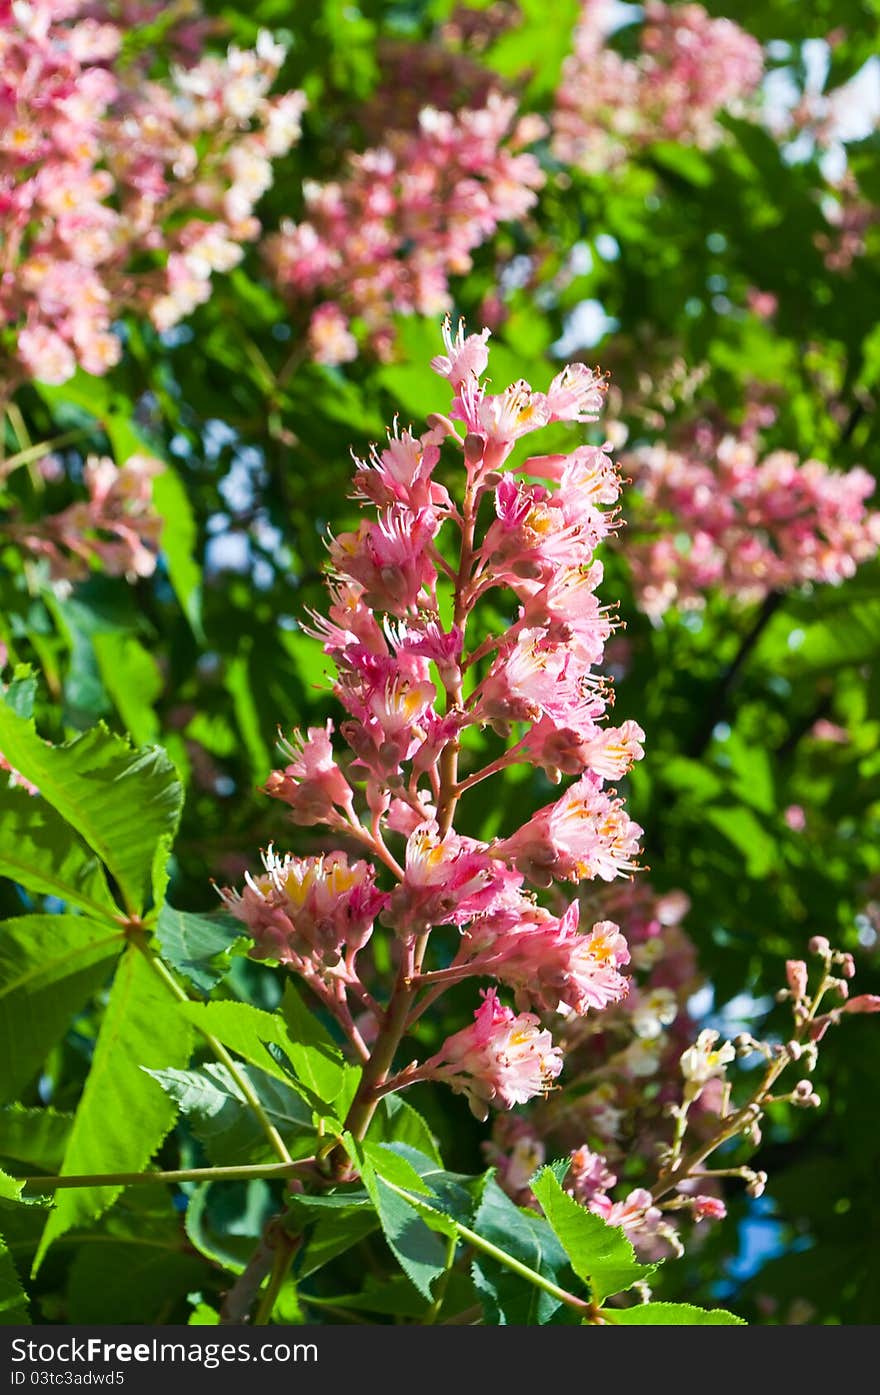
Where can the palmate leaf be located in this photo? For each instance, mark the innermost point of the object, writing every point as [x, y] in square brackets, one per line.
[318, 1071]
[246, 1030]
[122, 1116]
[50, 966]
[314, 1055]
[125, 804]
[672, 1315]
[41, 852]
[600, 1254]
[333, 1234]
[420, 1226]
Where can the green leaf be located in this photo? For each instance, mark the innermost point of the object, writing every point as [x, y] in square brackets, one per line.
[197, 946]
[50, 966]
[224, 1220]
[249, 1031]
[743, 828]
[315, 1057]
[600, 1254]
[673, 1315]
[132, 679]
[507, 1298]
[420, 1252]
[126, 804]
[334, 1234]
[10, 1187]
[393, 1167]
[34, 1138]
[13, 1299]
[41, 852]
[395, 1121]
[242, 682]
[178, 542]
[222, 1119]
[122, 1117]
[138, 1268]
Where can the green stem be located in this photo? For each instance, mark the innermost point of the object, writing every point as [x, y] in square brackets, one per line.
[494, 1252]
[283, 1260]
[188, 1174]
[433, 1312]
[219, 1050]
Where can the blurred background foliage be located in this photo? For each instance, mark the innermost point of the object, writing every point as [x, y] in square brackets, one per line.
[208, 657]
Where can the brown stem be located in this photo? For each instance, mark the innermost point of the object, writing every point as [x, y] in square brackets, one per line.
[377, 1069]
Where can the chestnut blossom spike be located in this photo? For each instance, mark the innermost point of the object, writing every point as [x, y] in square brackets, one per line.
[416, 678]
[385, 238]
[718, 515]
[690, 67]
[585, 834]
[123, 191]
[115, 530]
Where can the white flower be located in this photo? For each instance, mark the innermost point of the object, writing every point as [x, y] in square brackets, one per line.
[701, 1062]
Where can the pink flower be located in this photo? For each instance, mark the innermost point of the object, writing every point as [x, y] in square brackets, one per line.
[330, 339]
[502, 1058]
[115, 530]
[401, 473]
[390, 559]
[312, 784]
[690, 68]
[641, 1221]
[796, 977]
[588, 1175]
[308, 909]
[448, 881]
[863, 1002]
[585, 834]
[406, 216]
[550, 963]
[708, 1208]
[744, 524]
[466, 355]
[124, 191]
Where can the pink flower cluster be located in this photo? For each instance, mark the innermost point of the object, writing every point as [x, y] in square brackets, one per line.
[115, 530]
[714, 514]
[690, 68]
[524, 531]
[120, 191]
[403, 217]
